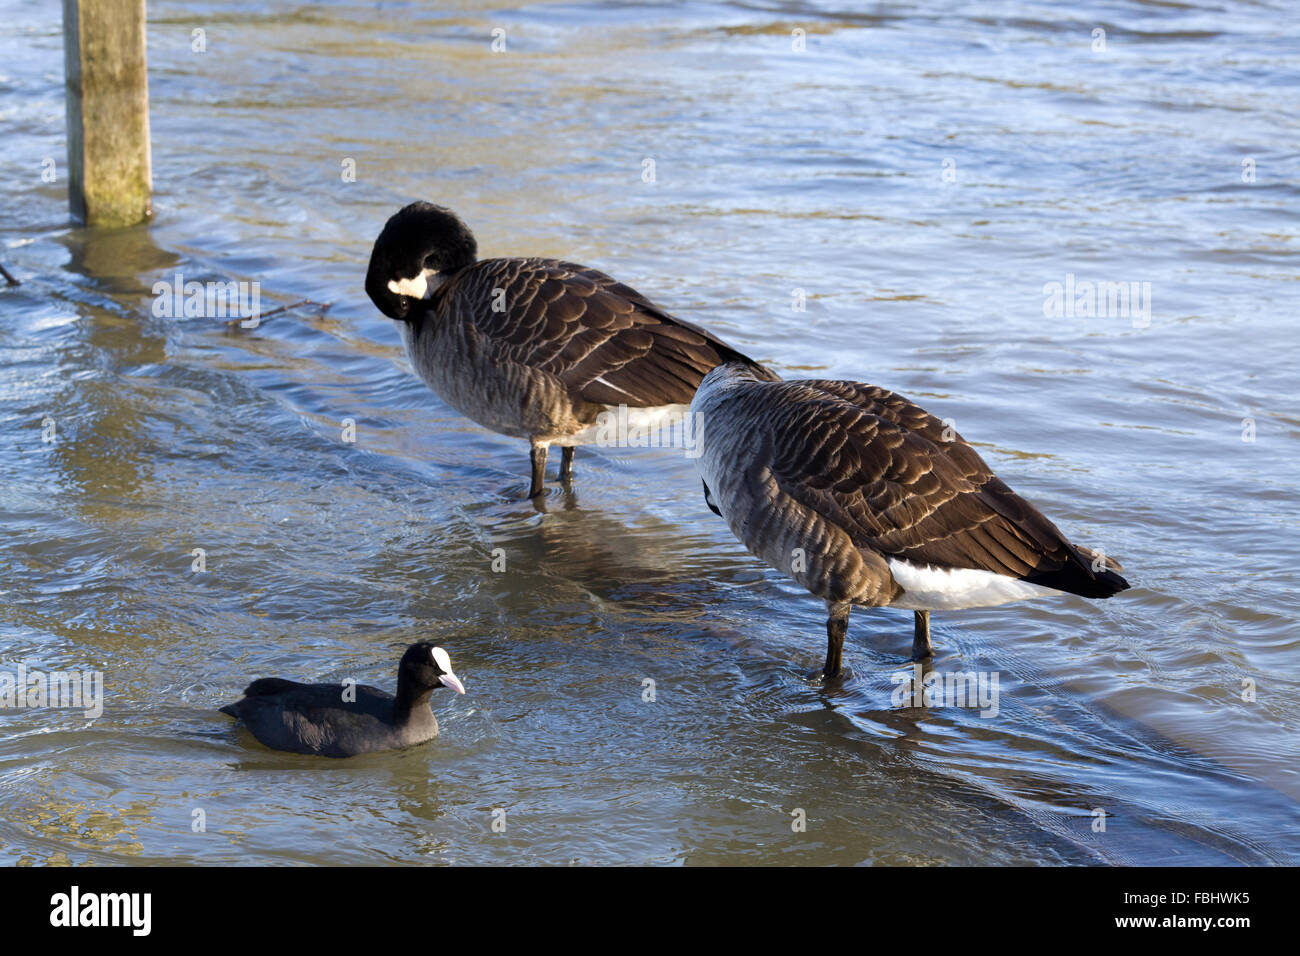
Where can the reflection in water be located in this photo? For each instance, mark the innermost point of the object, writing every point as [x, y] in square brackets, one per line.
[106, 453]
[638, 686]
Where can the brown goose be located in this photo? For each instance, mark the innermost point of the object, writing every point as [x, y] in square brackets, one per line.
[534, 348]
[865, 498]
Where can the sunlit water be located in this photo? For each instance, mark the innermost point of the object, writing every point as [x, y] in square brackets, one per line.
[921, 173]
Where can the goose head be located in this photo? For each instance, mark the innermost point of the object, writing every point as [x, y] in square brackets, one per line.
[421, 245]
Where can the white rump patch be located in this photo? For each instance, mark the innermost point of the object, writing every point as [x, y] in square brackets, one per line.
[417, 288]
[927, 588]
[442, 659]
[630, 426]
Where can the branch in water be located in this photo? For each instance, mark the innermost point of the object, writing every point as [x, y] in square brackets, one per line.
[284, 308]
[8, 277]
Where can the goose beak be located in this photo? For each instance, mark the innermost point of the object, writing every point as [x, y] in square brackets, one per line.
[452, 681]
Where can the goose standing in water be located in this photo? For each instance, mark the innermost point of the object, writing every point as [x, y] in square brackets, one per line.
[865, 498]
[533, 348]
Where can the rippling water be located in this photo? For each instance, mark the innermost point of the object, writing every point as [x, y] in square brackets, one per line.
[921, 172]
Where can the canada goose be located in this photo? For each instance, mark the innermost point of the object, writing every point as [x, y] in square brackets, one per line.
[533, 348]
[865, 498]
[338, 720]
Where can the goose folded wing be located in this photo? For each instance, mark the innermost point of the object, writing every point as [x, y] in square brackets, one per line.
[903, 485]
[606, 342]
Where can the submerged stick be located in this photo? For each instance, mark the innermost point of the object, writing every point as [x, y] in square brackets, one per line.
[284, 308]
[8, 278]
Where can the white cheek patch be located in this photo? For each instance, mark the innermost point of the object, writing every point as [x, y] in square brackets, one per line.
[421, 287]
[415, 288]
[442, 659]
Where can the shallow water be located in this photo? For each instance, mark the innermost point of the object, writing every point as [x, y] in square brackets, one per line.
[775, 170]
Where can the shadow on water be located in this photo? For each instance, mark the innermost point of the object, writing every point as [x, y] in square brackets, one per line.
[110, 460]
[1063, 764]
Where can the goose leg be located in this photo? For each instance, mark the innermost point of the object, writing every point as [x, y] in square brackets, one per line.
[921, 637]
[837, 625]
[538, 457]
[566, 463]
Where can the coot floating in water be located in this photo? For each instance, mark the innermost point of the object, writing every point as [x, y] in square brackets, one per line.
[341, 720]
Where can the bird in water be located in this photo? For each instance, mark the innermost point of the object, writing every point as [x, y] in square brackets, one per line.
[866, 499]
[533, 348]
[342, 720]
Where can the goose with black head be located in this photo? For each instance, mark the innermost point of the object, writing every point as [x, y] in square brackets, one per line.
[534, 348]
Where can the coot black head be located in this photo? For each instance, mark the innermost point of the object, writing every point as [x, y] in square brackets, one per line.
[425, 667]
[419, 241]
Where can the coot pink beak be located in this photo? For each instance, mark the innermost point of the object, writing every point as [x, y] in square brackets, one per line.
[452, 681]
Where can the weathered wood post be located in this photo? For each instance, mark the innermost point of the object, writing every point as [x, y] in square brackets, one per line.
[109, 173]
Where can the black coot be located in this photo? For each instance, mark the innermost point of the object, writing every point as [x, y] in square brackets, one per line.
[341, 720]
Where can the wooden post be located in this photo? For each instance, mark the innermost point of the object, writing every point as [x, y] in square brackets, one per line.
[109, 174]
